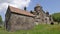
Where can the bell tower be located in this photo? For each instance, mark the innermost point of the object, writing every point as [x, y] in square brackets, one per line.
[39, 13]
[37, 8]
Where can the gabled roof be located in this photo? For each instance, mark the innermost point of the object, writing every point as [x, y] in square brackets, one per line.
[19, 11]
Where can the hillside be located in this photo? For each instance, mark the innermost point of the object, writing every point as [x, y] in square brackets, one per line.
[39, 29]
[56, 17]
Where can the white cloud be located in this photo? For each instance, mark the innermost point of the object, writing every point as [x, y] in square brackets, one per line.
[20, 3]
[15, 3]
[3, 6]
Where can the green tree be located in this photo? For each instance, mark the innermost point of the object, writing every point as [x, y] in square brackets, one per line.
[56, 17]
[1, 20]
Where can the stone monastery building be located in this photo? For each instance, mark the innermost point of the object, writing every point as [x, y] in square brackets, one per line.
[17, 19]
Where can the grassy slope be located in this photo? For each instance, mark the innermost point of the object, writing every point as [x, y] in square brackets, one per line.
[40, 29]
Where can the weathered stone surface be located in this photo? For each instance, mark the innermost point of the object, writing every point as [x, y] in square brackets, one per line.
[18, 22]
[40, 16]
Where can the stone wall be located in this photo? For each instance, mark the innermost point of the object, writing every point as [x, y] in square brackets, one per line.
[7, 17]
[18, 22]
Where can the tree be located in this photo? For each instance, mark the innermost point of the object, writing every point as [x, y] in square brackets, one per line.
[56, 17]
[1, 20]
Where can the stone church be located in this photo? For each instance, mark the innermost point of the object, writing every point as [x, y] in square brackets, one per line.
[17, 19]
[41, 17]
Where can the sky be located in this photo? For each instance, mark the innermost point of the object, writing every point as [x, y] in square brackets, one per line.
[52, 6]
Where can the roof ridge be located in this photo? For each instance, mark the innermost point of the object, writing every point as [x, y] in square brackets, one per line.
[20, 11]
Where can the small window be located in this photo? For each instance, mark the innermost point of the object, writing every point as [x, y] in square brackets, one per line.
[37, 13]
[42, 19]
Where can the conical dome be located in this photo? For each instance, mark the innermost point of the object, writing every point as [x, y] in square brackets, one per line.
[37, 5]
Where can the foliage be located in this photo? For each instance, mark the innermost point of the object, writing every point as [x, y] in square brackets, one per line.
[1, 20]
[56, 17]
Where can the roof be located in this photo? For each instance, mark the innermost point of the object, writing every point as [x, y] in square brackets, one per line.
[20, 11]
[38, 5]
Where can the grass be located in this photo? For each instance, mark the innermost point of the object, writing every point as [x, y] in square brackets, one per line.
[39, 29]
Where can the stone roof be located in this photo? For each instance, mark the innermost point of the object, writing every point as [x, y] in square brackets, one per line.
[38, 5]
[20, 11]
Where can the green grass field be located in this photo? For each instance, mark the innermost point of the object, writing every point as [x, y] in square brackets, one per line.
[39, 29]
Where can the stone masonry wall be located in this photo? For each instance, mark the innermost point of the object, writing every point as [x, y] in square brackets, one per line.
[19, 22]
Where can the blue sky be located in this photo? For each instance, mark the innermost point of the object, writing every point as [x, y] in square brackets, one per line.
[52, 6]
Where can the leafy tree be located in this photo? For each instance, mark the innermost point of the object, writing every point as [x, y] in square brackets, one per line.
[1, 20]
[56, 17]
